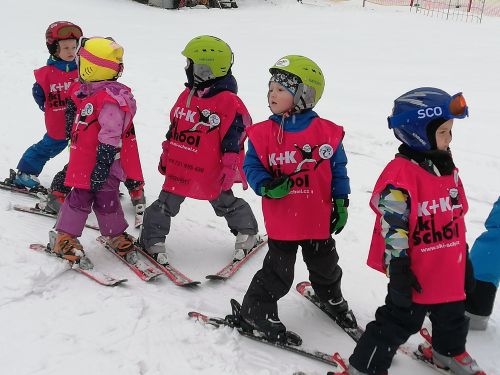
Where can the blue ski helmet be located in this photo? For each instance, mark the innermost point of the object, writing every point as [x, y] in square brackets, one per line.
[414, 110]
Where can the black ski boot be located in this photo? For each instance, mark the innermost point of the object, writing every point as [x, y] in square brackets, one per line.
[270, 329]
[339, 311]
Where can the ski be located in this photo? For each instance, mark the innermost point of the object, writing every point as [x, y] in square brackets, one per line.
[292, 347]
[306, 290]
[15, 189]
[142, 267]
[93, 274]
[172, 273]
[38, 211]
[230, 269]
[419, 354]
[8, 184]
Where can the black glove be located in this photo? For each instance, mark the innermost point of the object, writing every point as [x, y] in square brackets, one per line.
[470, 279]
[133, 184]
[105, 157]
[402, 281]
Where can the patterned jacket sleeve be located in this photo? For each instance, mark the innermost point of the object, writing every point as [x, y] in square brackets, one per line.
[394, 205]
[69, 116]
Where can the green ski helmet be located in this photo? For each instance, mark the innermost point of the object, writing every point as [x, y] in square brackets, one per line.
[312, 81]
[211, 56]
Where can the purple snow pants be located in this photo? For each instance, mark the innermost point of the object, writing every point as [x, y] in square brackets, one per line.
[105, 203]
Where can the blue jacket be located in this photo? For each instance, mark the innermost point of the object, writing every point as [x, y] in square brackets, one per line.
[256, 173]
[37, 90]
[485, 253]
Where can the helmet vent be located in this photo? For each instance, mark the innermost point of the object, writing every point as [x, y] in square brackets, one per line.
[89, 70]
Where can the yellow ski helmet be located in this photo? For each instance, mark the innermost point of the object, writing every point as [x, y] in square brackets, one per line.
[312, 81]
[99, 59]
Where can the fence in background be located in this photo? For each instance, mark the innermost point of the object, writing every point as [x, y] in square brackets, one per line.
[462, 10]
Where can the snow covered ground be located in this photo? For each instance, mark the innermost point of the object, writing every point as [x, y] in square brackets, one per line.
[58, 322]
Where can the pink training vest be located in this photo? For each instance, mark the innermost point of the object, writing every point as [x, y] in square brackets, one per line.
[56, 87]
[437, 245]
[194, 160]
[84, 142]
[305, 156]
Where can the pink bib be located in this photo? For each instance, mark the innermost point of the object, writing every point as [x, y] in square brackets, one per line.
[305, 156]
[437, 246]
[194, 160]
[56, 86]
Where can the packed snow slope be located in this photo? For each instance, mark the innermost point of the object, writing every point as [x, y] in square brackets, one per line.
[57, 322]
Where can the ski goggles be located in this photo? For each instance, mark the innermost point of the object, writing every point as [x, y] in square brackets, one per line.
[455, 107]
[66, 32]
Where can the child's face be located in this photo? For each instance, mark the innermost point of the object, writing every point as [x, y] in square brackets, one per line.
[443, 135]
[279, 98]
[67, 49]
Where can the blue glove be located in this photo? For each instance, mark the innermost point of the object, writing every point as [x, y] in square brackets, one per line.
[104, 160]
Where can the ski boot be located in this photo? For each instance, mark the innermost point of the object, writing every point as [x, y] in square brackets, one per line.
[124, 246]
[138, 200]
[269, 329]
[159, 253]
[52, 202]
[69, 248]
[26, 181]
[461, 364]
[339, 310]
[244, 244]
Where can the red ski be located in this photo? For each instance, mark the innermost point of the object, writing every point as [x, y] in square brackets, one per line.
[93, 274]
[142, 268]
[235, 265]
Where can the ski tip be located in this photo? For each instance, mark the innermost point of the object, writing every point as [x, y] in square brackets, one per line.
[301, 287]
[215, 277]
[198, 316]
[119, 282]
[37, 246]
[189, 283]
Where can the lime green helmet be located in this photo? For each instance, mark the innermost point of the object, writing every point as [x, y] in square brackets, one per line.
[211, 56]
[312, 81]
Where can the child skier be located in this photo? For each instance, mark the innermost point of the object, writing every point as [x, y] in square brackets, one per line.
[485, 257]
[58, 191]
[297, 163]
[202, 149]
[103, 151]
[51, 92]
[419, 239]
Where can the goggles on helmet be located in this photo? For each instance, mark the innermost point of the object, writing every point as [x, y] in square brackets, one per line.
[96, 60]
[63, 31]
[455, 107]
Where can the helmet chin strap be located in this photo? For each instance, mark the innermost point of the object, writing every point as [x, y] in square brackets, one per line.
[299, 99]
